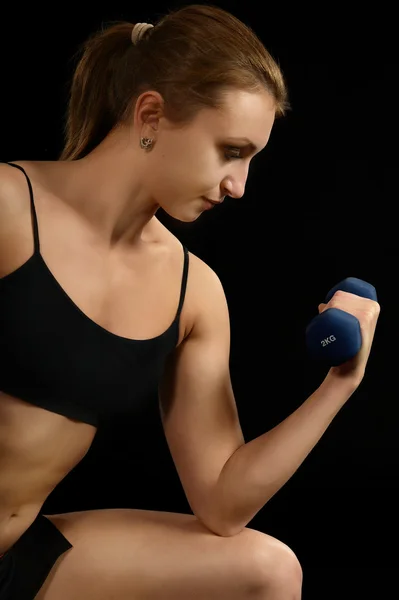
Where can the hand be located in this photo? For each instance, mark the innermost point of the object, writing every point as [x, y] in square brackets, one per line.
[367, 312]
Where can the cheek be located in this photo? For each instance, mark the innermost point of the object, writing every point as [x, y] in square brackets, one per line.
[167, 179]
[184, 168]
[178, 170]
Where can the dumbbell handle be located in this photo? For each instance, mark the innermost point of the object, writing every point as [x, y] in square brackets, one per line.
[354, 286]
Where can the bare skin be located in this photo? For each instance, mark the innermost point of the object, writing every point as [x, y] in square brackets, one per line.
[121, 554]
[38, 448]
[138, 554]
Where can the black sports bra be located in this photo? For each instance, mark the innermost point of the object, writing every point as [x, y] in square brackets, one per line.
[52, 355]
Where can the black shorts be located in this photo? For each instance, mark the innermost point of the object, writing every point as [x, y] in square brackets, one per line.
[26, 565]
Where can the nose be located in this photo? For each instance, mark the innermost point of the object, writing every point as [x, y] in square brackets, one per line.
[233, 184]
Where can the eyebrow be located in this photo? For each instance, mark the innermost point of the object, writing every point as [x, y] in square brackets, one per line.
[246, 141]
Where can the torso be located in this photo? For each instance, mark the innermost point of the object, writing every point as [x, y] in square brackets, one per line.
[120, 293]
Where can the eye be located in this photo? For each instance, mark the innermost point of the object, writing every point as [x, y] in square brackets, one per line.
[232, 153]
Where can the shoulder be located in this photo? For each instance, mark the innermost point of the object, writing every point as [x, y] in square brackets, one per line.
[210, 308]
[207, 308]
[13, 192]
[16, 241]
[202, 279]
[205, 300]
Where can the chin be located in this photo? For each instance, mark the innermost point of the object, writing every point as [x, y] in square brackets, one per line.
[184, 215]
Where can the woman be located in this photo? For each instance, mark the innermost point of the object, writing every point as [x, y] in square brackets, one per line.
[163, 116]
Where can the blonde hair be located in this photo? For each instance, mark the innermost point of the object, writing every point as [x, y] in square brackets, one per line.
[191, 57]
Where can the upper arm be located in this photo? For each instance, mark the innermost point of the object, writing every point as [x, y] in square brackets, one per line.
[198, 407]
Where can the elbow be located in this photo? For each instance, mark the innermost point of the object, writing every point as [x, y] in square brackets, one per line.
[220, 527]
[218, 519]
[224, 531]
[231, 531]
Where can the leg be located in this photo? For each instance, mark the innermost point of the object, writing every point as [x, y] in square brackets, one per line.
[123, 554]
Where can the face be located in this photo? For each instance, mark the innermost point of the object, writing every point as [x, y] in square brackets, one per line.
[209, 157]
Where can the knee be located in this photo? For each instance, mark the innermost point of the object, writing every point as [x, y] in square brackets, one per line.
[287, 567]
[272, 565]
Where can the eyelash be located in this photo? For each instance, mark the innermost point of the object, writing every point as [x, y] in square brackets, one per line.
[232, 157]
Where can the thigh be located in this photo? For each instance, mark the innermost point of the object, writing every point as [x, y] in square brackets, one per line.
[138, 554]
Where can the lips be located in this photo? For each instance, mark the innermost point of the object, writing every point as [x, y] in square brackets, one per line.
[212, 201]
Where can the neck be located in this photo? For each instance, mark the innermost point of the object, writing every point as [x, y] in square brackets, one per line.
[107, 187]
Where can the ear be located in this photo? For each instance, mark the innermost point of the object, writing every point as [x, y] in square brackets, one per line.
[148, 112]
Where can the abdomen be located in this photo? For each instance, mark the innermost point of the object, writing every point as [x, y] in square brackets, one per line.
[38, 448]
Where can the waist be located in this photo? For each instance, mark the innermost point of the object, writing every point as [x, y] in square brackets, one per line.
[13, 526]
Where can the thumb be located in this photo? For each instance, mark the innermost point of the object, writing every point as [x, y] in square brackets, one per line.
[321, 307]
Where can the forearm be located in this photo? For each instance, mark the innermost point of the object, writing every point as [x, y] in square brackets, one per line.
[259, 468]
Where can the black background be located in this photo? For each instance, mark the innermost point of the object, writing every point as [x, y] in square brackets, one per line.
[320, 205]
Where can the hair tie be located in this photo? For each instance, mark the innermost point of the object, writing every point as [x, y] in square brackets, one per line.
[139, 30]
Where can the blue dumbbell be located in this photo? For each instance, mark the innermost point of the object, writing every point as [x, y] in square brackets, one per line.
[334, 336]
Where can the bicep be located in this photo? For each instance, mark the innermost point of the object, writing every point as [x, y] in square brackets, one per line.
[198, 407]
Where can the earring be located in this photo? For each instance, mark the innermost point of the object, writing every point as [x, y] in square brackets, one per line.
[146, 143]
